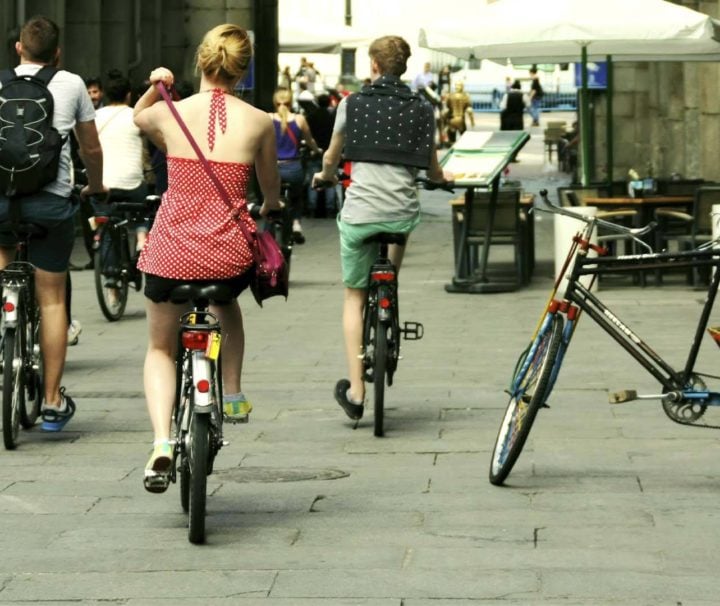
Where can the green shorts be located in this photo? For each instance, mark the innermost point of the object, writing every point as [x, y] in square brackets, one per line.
[357, 257]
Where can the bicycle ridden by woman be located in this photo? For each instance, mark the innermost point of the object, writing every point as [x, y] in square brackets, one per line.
[290, 130]
[194, 237]
[382, 196]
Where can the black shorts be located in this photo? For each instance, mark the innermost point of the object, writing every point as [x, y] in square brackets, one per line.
[158, 289]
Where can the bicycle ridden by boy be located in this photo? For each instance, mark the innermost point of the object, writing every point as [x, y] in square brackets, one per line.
[51, 207]
[388, 134]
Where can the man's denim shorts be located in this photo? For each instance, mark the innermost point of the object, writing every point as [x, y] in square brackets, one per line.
[357, 257]
[54, 213]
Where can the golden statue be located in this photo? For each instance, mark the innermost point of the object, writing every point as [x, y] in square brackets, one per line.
[458, 107]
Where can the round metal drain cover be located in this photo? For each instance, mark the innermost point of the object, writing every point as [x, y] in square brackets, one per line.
[278, 474]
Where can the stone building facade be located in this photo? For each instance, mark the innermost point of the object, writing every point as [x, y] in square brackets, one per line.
[138, 35]
[665, 116]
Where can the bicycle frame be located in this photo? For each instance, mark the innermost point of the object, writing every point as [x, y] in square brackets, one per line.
[630, 341]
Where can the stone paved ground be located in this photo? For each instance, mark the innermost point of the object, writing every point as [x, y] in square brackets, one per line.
[605, 506]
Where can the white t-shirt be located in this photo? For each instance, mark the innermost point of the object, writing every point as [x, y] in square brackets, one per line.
[122, 147]
[72, 104]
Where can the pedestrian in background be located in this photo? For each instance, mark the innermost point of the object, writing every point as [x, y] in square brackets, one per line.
[536, 95]
[512, 108]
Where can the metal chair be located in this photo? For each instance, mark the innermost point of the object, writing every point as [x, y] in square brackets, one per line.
[689, 230]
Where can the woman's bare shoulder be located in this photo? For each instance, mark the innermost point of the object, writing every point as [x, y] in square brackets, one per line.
[253, 114]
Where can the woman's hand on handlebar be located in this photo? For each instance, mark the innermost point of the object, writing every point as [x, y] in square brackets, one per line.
[266, 208]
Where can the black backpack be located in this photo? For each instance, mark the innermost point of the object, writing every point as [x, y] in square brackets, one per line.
[29, 144]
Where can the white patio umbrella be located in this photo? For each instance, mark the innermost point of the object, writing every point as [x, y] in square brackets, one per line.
[529, 31]
[318, 37]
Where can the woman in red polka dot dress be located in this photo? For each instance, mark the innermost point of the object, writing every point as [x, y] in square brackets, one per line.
[194, 236]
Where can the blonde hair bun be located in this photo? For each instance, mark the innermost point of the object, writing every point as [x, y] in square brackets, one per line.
[224, 52]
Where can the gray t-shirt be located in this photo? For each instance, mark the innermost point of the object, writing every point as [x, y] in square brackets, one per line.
[378, 192]
[72, 104]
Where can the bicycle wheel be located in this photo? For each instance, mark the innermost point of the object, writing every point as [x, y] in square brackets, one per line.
[13, 387]
[111, 286]
[379, 373]
[198, 452]
[528, 394]
[33, 375]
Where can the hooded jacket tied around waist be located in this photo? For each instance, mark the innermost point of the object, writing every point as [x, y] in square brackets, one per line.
[388, 123]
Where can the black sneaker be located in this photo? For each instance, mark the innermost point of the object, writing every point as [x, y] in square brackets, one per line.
[354, 411]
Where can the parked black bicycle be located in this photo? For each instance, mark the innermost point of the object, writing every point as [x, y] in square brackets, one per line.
[115, 252]
[683, 393]
[21, 357]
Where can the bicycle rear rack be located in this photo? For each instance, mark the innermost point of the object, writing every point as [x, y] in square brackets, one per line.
[412, 331]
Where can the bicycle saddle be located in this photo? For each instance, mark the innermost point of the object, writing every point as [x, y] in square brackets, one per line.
[217, 293]
[387, 238]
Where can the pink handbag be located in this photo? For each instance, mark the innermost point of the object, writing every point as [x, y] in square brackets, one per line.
[271, 277]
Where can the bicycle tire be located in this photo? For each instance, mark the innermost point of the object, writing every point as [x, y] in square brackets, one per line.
[379, 374]
[199, 445]
[111, 307]
[13, 388]
[33, 376]
[529, 392]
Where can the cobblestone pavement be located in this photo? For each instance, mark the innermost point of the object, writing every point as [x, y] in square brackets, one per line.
[607, 505]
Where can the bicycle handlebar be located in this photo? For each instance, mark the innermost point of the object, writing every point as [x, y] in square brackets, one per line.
[112, 204]
[273, 215]
[431, 185]
[635, 233]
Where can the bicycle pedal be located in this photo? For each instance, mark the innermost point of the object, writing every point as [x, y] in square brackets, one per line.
[412, 331]
[619, 397]
[156, 482]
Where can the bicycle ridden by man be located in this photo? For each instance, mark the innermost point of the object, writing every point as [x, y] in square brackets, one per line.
[387, 132]
[51, 208]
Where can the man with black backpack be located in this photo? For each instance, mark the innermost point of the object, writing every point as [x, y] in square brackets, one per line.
[39, 106]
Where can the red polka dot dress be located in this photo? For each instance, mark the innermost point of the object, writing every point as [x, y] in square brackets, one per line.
[194, 237]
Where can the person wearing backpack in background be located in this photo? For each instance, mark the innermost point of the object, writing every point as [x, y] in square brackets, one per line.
[44, 197]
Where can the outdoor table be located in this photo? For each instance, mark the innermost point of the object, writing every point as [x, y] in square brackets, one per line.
[477, 160]
[645, 205]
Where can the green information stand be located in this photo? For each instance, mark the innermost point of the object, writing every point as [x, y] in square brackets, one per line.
[477, 160]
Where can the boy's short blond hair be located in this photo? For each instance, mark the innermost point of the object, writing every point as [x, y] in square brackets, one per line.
[391, 54]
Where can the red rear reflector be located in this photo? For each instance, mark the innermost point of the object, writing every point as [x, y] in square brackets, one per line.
[101, 220]
[8, 306]
[195, 339]
[384, 302]
[203, 386]
[383, 276]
